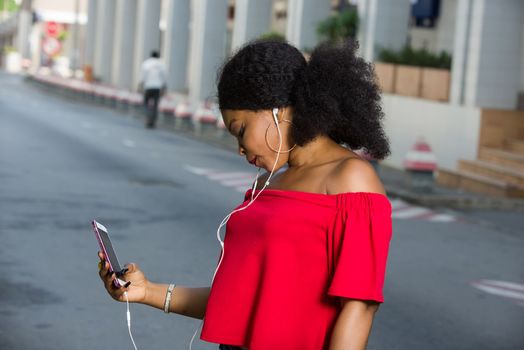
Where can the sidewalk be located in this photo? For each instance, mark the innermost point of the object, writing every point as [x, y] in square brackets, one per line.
[396, 186]
[394, 179]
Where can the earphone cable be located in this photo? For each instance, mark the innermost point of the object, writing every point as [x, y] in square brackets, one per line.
[128, 314]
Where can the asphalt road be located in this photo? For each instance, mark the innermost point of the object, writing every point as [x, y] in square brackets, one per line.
[63, 163]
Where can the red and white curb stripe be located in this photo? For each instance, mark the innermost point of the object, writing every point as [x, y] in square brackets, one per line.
[404, 210]
[242, 181]
[511, 290]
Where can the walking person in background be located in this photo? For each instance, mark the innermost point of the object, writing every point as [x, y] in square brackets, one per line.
[153, 83]
[304, 256]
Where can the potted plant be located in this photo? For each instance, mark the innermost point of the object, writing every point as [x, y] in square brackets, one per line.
[417, 73]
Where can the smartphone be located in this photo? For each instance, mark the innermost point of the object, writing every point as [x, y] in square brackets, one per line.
[102, 236]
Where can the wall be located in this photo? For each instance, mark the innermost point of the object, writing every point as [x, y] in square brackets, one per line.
[451, 131]
[446, 26]
[441, 37]
[521, 87]
[492, 78]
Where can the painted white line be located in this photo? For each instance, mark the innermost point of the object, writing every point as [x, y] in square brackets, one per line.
[409, 213]
[499, 291]
[442, 218]
[503, 284]
[198, 171]
[128, 143]
[397, 204]
[226, 176]
[238, 182]
[242, 189]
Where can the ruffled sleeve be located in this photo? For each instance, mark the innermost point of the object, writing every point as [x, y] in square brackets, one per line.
[358, 245]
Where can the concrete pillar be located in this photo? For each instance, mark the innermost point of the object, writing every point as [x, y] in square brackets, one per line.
[124, 44]
[383, 24]
[89, 58]
[24, 28]
[104, 40]
[147, 33]
[522, 59]
[175, 47]
[303, 17]
[208, 36]
[460, 50]
[487, 53]
[252, 18]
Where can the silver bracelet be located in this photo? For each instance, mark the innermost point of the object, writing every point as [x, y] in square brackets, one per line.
[168, 297]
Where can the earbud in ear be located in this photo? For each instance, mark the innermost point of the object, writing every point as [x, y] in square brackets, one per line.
[275, 115]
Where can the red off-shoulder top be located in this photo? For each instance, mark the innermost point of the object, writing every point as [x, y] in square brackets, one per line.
[287, 260]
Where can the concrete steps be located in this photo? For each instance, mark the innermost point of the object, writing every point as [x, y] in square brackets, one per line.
[510, 159]
[491, 170]
[514, 145]
[473, 182]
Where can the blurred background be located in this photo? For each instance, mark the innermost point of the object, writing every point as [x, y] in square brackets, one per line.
[73, 148]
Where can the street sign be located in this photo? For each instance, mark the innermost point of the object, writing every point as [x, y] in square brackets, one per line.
[52, 29]
[51, 46]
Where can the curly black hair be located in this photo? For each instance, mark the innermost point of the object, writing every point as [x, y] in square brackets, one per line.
[334, 94]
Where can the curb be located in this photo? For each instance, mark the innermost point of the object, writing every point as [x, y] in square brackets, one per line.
[460, 201]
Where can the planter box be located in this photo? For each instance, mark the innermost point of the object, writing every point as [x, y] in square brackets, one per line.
[435, 84]
[408, 81]
[385, 73]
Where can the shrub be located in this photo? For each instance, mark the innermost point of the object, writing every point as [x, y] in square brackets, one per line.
[339, 27]
[411, 57]
[273, 36]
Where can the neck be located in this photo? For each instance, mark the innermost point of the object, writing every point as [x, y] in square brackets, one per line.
[313, 153]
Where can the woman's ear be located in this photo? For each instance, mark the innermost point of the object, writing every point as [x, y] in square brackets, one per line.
[285, 113]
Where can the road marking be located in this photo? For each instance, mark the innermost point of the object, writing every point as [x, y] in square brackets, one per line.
[128, 143]
[409, 212]
[228, 176]
[238, 182]
[397, 204]
[242, 181]
[510, 290]
[442, 218]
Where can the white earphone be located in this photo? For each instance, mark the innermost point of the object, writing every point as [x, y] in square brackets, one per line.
[275, 115]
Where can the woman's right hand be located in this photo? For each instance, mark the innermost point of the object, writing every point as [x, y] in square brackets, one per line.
[136, 282]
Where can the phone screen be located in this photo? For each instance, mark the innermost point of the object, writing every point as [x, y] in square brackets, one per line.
[107, 246]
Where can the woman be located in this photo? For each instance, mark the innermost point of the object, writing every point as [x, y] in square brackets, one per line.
[305, 254]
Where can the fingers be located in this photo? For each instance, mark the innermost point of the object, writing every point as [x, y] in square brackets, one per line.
[131, 267]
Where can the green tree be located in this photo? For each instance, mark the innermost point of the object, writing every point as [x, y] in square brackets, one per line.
[8, 5]
[339, 27]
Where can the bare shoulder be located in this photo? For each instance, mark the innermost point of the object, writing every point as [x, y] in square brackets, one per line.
[354, 175]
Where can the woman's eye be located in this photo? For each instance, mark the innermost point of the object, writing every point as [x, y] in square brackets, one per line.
[241, 132]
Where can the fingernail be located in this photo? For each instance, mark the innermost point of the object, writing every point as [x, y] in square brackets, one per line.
[127, 284]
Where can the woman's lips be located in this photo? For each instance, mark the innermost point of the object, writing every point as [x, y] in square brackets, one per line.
[253, 161]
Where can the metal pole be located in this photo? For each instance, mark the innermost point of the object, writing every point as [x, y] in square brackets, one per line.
[75, 55]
